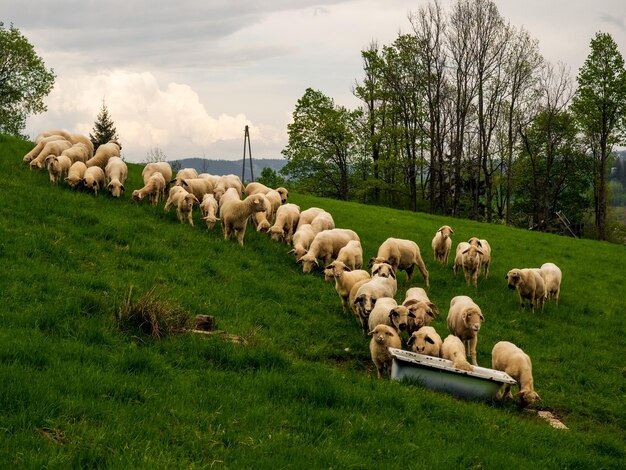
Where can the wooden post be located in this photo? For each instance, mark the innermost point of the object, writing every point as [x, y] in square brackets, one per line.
[246, 138]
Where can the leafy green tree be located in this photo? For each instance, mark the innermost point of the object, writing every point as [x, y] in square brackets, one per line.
[270, 178]
[104, 129]
[600, 109]
[24, 81]
[322, 145]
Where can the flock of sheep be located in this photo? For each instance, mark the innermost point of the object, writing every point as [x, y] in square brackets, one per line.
[369, 296]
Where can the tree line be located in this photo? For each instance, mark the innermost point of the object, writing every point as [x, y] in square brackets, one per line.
[462, 116]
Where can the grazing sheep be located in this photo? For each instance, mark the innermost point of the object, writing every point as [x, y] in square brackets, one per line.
[154, 189]
[386, 311]
[52, 133]
[368, 293]
[208, 206]
[345, 279]
[254, 188]
[261, 219]
[77, 152]
[322, 221]
[442, 243]
[158, 167]
[116, 173]
[287, 217]
[421, 310]
[184, 204]
[471, 261]
[402, 255]
[509, 358]
[36, 150]
[94, 178]
[213, 178]
[234, 213]
[82, 139]
[275, 201]
[56, 147]
[75, 174]
[425, 341]
[453, 350]
[485, 248]
[57, 167]
[104, 153]
[326, 245]
[184, 173]
[307, 215]
[383, 269]
[198, 187]
[464, 321]
[351, 255]
[529, 285]
[551, 275]
[284, 193]
[226, 182]
[383, 338]
[302, 239]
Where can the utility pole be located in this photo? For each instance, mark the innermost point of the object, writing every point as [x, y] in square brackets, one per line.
[246, 139]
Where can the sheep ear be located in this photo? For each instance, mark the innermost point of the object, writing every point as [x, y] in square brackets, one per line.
[429, 340]
[359, 300]
[482, 318]
[434, 311]
[410, 341]
[480, 252]
[109, 186]
[479, 244]
[370, 333]
[411, 314]
[506, 276]
[463, 252]
[329, 267]
[373, 302]
[347, 269]
[371, 263]
[123, 188]
[393, 274]
[299, 260]
[293, 250]
[393, 313]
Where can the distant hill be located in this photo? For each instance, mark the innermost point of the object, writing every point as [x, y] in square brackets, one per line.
[225, 167]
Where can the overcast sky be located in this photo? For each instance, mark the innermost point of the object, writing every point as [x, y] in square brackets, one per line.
[187, 76]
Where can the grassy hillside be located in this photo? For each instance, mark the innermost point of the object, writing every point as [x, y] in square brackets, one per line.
[302, 393]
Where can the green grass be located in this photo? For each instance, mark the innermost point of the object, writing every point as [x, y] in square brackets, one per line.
[76, 390]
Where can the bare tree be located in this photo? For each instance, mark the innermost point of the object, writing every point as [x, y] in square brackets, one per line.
[154, 155]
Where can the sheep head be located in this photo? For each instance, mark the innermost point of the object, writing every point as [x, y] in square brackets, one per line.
[383, 269]
[115, 188]
[307, 261]
[383, 334]
[277, 233]
[421, 342]
[527, 397]
[421, 313]
[473, 318]
[398, 317]
[514, 278]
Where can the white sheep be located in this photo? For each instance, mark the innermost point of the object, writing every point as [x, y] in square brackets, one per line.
[56, 147]
[485, 249]
[529, 285]
[82, 139]
[453, 350]
[77, 152]
[116, 172]
[551, 275]
[184, 204]
[442, 243]
[425, 341]
[322, 221]
[158, 167]
[52, 133]
[104, 152]
[234, 213]
[94, 178]
[57, 167]
[402, 255]
[383, 269]
[75, 174]
[464, 320]
[471, 259]
[254, 188]
[209, 208]
[345, 279]
[261, 219]
[509, 358]
[326, 245]
[226, 182]
[154, 189]
[307, 215]
[302, 239]
[383, 338]
[421, 310]
[386, 311]
[367, 295]
[351, 255]
[183, 173]
[36, 150]
[198, 187]
[287, 217]
[212, 178]
[458, 258]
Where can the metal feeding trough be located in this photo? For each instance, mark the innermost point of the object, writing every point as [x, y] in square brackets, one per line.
[439, 374]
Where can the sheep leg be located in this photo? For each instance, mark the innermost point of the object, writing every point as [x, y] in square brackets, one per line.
[241, 233]
[190, 218]
[486, 270]
[344, 304]
[472, 348]
[409, 272]
[179, 214]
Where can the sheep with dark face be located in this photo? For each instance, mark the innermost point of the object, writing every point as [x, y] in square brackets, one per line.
[529, 285]
[367, 295]
[388, 312]
[116, 173]
[425, 341]
[383, 338]
[464, 321]
[94, 178]
[421, 310]
[509, 358]
[75, 174]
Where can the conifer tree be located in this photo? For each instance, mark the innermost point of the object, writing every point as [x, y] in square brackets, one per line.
[103, 129]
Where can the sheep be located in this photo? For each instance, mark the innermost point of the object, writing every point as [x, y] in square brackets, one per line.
[383, 269]
[75, 174]
[464, 321]
[351, 255]
[116, 172]
[198, 187]
[326, 245]
[386, 311]
[104, 152]
[368, 293]
[159, 167]
[383, 338]
[284, 194]
[322, 221]
[509, 358]
[425, 341]
[421, 310]
[154, 189]
[208, 206]
[471, 259]
[529, 285]
[287, 217]
[36, 150]
[183, 202]
[453, 350]
[302, 239]
[234, 213]
[184, 173]
[345, 279]
[485, 248]
[307, 216]
[255, 188]
[226, 182]
[57, 167]
[52, 133]
[212, 178]
[458, 258]
[77, 152]
[551, 275]
[442, 243]
[55, 147]
[86, 141]
[261, 219]
[274, 199]
[402, 255]
[94, 178]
